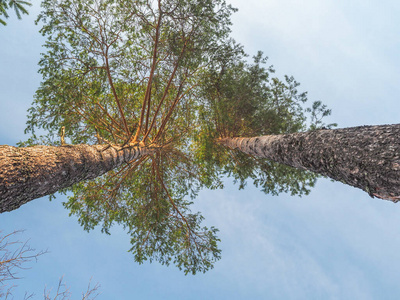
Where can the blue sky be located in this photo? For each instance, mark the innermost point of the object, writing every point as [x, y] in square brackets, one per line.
[336, 243]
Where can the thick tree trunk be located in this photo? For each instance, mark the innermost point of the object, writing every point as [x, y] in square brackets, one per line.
[366, 157]
[32, 172]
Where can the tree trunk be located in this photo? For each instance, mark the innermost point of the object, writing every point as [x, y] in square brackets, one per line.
[32, 172]
[366, 157]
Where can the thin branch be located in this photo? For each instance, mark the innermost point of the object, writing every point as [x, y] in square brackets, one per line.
[115, 93]
[147, 98]
[166, 119]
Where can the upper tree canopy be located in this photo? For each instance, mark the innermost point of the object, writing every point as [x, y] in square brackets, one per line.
[163, 74]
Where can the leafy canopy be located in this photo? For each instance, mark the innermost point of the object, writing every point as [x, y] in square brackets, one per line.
[243, 99]
[126, 72]
[162, 74]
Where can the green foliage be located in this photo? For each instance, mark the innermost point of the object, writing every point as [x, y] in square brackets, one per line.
[101, 56]
[165, 74]
[19, 7]
[127, 71]
[243, 99]
[318, 111]
[149, 202]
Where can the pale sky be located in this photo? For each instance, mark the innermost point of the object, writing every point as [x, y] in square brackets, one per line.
[336, 243]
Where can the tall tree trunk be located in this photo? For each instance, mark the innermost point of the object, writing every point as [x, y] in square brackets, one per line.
[32, 172]
[366, 157]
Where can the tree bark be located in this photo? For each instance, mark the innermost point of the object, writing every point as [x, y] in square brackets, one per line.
[366, 157]
[32, 172]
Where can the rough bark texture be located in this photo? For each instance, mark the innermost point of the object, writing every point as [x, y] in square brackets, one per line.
[366, 157]
[32, 172]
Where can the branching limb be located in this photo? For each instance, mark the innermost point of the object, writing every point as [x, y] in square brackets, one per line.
[14, 255]
[147, 98]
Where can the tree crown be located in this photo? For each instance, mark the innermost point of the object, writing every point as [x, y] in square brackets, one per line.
[161, 74]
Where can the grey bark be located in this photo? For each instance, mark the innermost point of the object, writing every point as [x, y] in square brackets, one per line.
[366, 157]
[32, 172]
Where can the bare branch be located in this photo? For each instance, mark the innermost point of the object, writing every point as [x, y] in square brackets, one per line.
[14, 255]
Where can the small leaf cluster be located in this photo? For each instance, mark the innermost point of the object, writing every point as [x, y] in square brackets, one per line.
[19, 7]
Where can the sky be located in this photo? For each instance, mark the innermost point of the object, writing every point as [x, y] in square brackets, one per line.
[336, 243]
